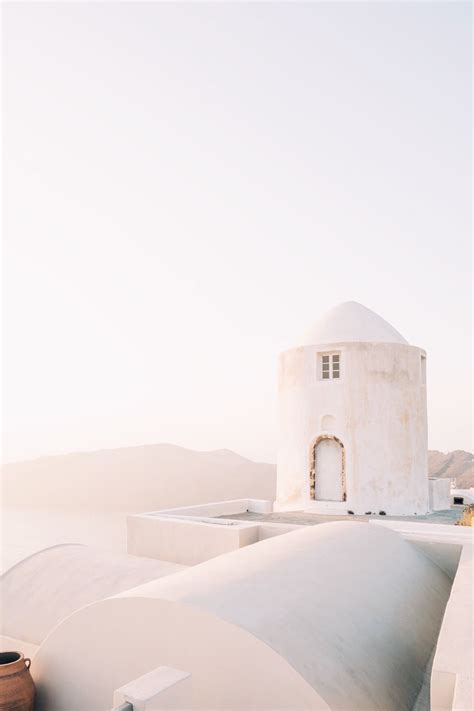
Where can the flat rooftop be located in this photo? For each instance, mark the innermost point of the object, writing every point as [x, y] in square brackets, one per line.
[306, 518]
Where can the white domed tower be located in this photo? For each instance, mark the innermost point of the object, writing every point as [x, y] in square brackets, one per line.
[352, 413]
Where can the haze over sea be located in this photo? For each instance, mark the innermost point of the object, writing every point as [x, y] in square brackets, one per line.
[85, 498]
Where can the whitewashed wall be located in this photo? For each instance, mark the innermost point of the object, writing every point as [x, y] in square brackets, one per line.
[377, 409]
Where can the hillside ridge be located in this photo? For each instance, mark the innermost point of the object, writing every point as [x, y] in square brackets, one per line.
[154, 476]
[457, 465]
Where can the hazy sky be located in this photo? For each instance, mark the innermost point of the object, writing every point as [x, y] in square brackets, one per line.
[188, 187]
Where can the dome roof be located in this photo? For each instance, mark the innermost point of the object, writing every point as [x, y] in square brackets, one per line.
[350, 322]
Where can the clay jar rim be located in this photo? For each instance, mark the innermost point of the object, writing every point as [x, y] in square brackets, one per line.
[13, 666]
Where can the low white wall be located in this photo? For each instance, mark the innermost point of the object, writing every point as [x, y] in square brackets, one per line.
[263, 506]
[440, 543]
[185, 540]
[440, 494]
[451, 548]
[453, 664]
[219, 508]
[434, 532]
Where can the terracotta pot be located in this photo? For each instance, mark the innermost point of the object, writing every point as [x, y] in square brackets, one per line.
[17, 690]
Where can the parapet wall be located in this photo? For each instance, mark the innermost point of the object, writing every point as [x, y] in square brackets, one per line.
[193, 534]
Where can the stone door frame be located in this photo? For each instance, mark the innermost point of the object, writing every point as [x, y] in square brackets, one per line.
[312, 466]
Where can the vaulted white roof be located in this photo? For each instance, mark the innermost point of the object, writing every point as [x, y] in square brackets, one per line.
[351, 322]
[67, 577]
[268, 626]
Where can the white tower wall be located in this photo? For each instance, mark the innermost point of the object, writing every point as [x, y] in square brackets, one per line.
[375, 411]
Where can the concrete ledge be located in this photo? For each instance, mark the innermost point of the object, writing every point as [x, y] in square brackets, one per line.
[452, 674]
[439, 494]
[163, 689]
[186, 540]
[431, 531]
[192, 534]
[219, 508]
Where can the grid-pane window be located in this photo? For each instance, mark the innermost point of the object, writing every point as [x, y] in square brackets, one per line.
[325, 367]
[330, 366]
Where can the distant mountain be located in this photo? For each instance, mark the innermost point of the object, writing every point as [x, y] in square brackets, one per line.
[453, 465]
[134, 479]
[153, 477]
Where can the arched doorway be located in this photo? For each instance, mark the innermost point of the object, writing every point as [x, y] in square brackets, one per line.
[327, 469]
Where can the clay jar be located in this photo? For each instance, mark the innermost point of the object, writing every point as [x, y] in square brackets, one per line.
[17, 690]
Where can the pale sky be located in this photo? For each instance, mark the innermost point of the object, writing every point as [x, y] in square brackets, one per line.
[188, 187]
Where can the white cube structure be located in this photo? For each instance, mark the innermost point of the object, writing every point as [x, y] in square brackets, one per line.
[440, 494]
[352, 419]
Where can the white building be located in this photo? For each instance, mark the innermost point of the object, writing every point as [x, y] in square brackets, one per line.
[353, 424]
[228, 606]
[367, 615]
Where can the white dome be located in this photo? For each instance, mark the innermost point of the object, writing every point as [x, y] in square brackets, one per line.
[351, 322]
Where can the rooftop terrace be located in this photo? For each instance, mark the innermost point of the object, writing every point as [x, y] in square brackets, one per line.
[306, 518]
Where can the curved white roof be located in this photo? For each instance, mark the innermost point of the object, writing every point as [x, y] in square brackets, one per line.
[351, 322]
[67, 577]
[342, 615]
